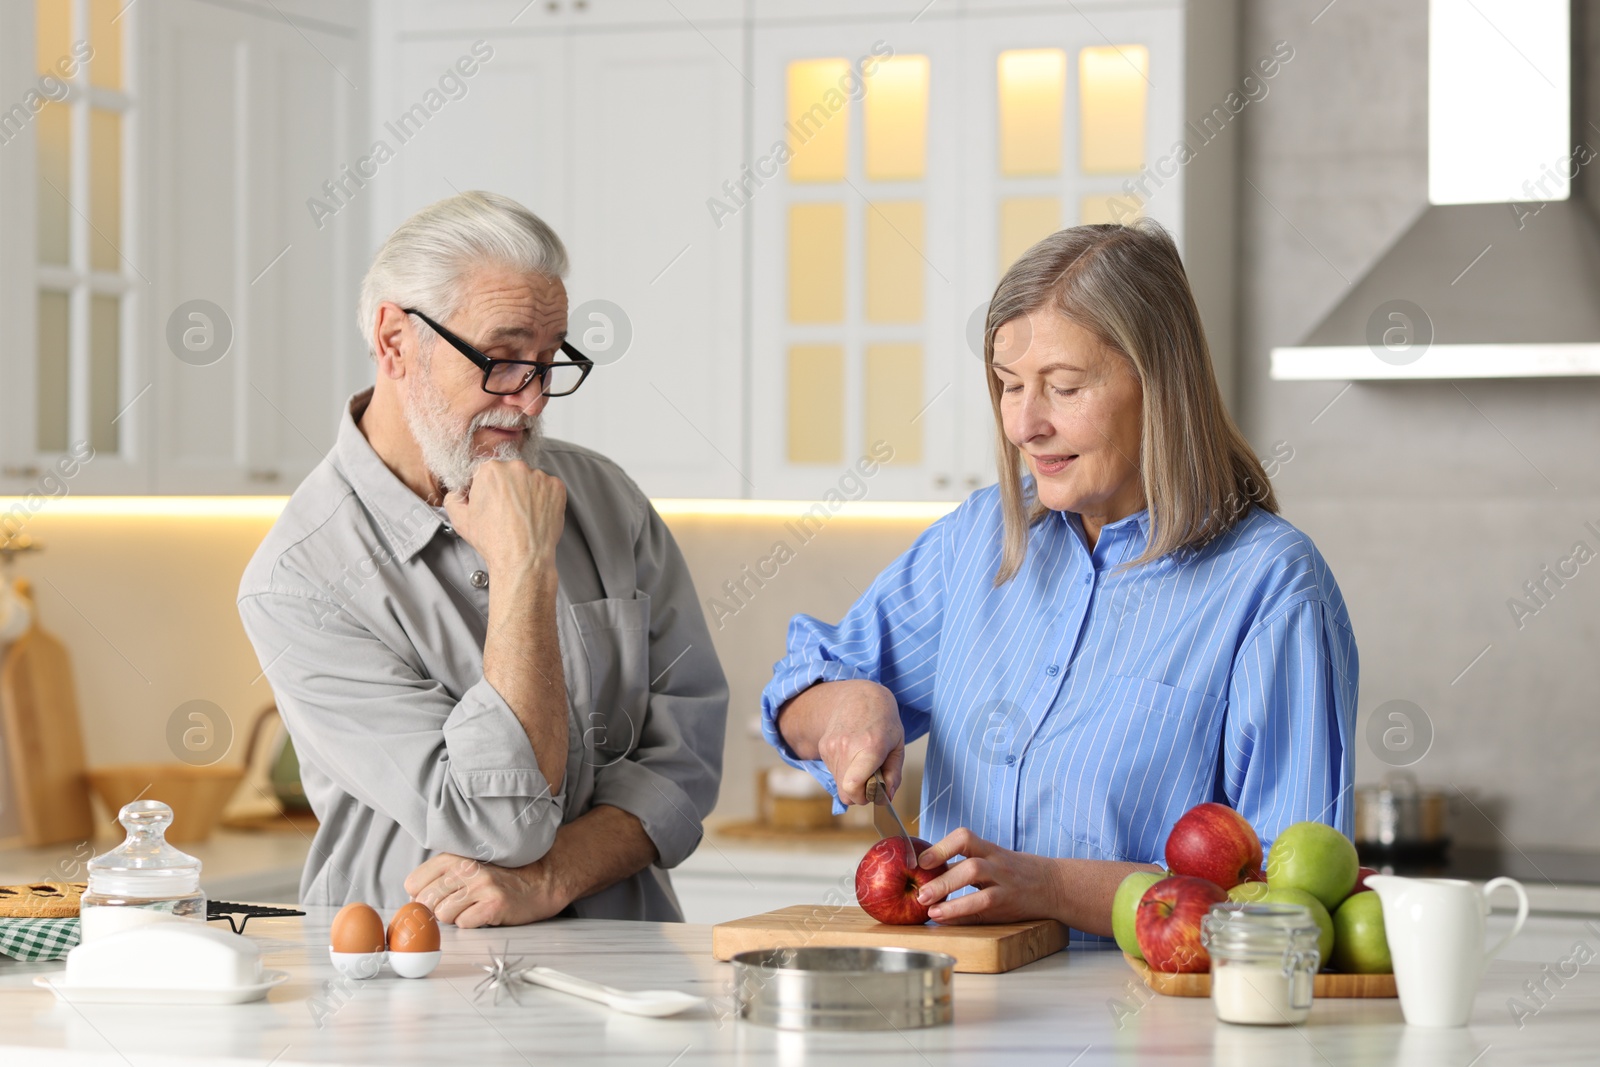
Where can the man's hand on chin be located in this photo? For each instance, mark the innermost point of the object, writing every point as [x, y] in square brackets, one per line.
[469, 893]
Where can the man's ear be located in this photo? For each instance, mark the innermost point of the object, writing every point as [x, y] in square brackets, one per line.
[394, 339]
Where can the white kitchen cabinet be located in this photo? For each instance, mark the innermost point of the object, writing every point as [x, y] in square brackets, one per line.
[643, 131]
[656, 128]
[614, 123]
[498, 20]
[506, 134]
[260, 191]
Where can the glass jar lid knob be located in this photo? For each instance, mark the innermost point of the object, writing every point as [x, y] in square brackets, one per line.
[144, 864]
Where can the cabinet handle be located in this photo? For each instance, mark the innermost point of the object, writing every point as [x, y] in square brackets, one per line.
[27, 470]
[261, 475]
[973, 481]
[941, 481]
[580, 5]
[553, 7]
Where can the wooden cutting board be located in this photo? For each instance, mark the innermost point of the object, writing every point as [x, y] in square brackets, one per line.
[44, 745]
[977, 949]
[1324, 985]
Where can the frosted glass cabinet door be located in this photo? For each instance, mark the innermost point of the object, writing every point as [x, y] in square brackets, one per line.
[855, 258]
[70, 249]
[1066, 109]
[874, 253]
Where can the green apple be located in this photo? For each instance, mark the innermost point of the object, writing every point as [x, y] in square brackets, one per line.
[1360, 946]
[1248, 892]
[1125, 906]
[1315, 857]
[1318, 912]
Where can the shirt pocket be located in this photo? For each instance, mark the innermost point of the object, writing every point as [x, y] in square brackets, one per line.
[1141, 755]
[616, 644]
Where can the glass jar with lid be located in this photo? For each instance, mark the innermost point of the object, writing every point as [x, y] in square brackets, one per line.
[1264, 961]
[142, 880]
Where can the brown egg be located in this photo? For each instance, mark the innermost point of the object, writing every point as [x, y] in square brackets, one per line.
[414, 929]
[357, 928]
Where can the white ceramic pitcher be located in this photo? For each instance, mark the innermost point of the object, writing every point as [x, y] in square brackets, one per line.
[1436, 930]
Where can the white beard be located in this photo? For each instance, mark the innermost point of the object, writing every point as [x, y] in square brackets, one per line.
[448, 452]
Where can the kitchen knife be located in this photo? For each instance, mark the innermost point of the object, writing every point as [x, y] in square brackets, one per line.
[880, 795]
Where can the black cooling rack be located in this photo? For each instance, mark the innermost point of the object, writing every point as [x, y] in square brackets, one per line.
[222, 909]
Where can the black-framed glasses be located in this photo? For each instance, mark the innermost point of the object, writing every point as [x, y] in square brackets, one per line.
[507, 377]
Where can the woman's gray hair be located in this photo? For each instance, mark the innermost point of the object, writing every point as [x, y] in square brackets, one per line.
[1127, 286]
[427, 259]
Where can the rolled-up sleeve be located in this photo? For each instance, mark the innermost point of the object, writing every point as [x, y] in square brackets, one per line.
[671, 779]
[458, 775]
[1291, 715]
[889, 636]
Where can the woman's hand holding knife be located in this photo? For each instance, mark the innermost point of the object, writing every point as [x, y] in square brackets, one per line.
[853, 727]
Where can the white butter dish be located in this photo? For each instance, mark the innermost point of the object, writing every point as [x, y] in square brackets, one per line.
[163, 961]
[134, 995]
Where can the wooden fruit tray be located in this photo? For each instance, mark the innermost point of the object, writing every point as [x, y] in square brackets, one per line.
[1326, 985]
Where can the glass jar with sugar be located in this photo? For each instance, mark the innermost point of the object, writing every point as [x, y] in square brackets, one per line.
[1264, 960]
[143, 880]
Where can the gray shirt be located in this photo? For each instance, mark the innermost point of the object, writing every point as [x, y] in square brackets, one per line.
[369, 614]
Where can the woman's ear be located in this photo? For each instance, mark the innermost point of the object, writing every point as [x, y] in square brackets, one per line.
[393, 340]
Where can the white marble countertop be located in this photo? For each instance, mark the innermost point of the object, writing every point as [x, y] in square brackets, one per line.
[243, 865]
[1079, 1007]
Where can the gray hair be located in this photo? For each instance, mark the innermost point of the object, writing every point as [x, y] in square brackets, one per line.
[1127, 285]
[428, 257]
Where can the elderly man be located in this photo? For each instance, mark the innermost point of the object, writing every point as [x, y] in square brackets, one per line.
[485, 644]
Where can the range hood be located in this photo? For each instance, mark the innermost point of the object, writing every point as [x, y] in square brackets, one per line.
[1485, 289]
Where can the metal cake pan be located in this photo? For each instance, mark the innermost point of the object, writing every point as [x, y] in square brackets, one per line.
[828, 988]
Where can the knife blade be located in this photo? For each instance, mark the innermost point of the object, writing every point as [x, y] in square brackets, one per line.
[881, 796]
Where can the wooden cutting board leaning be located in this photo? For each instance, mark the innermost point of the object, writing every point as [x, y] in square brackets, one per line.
[977, 949]
[43, 742]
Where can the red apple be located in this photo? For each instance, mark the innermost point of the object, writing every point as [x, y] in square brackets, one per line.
[1214, 842]
[888, 879]
[1168, 922]
[1361, 880]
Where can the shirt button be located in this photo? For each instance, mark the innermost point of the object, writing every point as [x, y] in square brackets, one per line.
[1011, 761]
[479, 579]
[1052, 670]
[1087, 579]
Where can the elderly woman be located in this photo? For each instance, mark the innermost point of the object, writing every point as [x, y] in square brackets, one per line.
[1121, 629]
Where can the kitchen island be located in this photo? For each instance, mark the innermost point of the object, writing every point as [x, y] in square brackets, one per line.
[1080, 1007]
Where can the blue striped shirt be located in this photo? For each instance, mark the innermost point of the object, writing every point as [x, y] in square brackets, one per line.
[1079, 710]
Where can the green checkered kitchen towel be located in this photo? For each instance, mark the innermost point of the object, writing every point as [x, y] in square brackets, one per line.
[37, 940]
